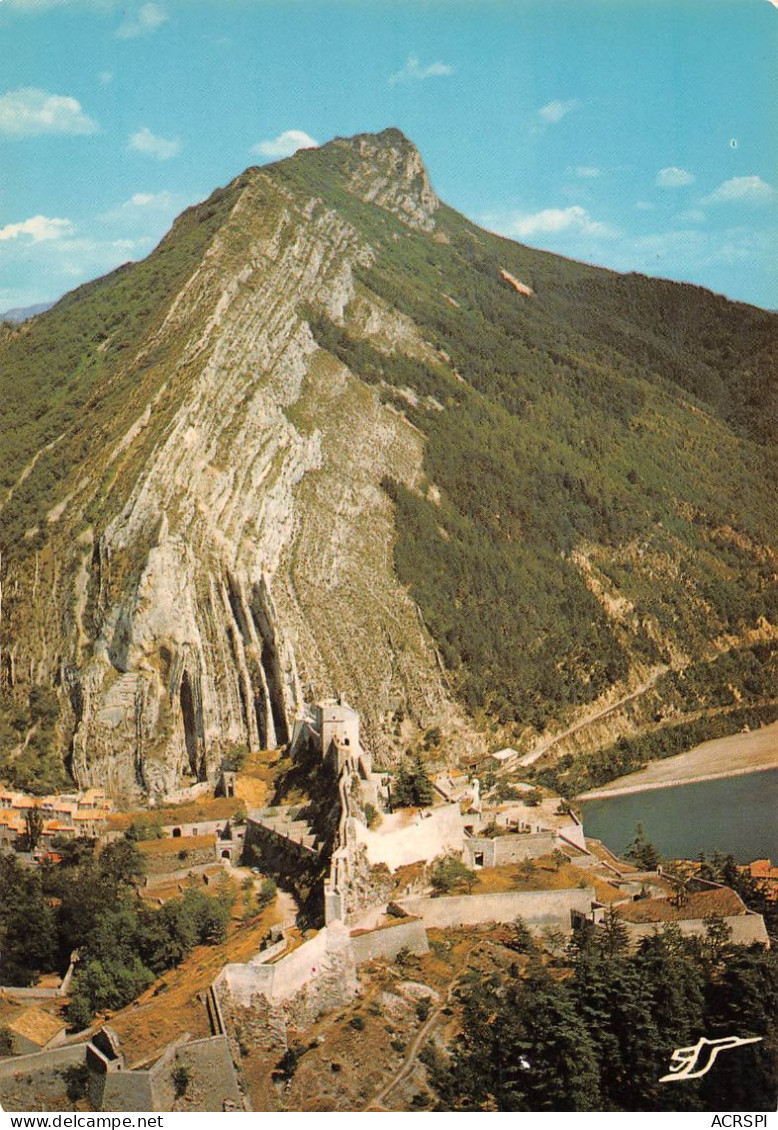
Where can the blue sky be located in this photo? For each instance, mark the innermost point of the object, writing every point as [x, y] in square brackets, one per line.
[636, 134]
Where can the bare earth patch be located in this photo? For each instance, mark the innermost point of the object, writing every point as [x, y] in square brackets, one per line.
[722, 757]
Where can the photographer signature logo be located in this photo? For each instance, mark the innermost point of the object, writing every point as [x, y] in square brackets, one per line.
[683, 1061]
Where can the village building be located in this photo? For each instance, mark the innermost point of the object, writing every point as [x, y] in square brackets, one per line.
[765, 875]
[67, 815]
[501, 759]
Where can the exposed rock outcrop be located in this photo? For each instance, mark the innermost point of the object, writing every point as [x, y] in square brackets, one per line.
[391, 173]
[243, 562]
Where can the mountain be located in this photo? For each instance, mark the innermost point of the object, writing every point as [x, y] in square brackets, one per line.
[23, 313]
[332, 436]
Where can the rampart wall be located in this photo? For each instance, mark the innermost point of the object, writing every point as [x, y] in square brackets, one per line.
[430, 834]
[166, 878]
[198, 828]
[407, 934]
[114, 1089]
[29, 993]
[57, 1059]
[539, 909]
[746, 928]
[288, 975]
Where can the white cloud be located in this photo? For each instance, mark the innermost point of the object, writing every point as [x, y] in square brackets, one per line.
[146, 142]
[586, 172]
[38, 228]
[688, 253]
[553, 112]
[746, 190]
[645, 206]
[285, 144]
[143, 199]
[139, 200]
[45, 257]
[692, 216]
[146, 20]
[673, 177]
[105, 77]
[575, 220]
[413, 71]
[29, 112]
[145, 210]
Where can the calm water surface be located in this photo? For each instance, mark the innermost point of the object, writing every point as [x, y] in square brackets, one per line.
[734, 814]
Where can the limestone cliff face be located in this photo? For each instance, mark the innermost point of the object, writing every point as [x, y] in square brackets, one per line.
[394, 177]
[242, 562]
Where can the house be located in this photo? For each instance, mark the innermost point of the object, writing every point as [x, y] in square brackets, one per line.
[504, 757]
[765, 875]
[64, 815]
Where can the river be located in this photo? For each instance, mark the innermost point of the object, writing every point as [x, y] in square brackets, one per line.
[734, 814]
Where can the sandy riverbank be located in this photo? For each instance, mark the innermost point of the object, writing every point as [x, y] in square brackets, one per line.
[722, 757]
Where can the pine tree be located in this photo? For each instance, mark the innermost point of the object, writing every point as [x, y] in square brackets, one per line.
[614, 936]
[402, 787]
[411, 785]
[422, 786]
[642, 851]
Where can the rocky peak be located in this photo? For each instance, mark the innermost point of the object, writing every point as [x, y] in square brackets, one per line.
[387, 169]
[214, 592]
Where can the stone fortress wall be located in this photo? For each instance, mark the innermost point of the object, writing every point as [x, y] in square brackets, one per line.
[746, 928]
[540, 910]
[321, 973]
[55, 1059]
[335, 950]
[112, 1087]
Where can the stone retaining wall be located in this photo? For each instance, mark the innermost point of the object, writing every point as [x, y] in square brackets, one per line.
[746, 928]
[167, 878]
[539, 909]
[55, 1058]
[407, 934]
[287, 976]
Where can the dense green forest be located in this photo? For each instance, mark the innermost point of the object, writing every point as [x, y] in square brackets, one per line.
[735, 686]
[39, 768]
[547, 431]
[66, 376]
[595, 1029]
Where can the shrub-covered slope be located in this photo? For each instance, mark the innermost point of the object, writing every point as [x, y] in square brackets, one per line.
[581, 482]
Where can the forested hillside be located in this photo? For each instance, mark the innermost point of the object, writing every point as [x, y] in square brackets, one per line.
[600, 473]
[575, 481]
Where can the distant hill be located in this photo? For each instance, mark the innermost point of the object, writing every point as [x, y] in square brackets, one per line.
[332, 436]
[23, 313]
